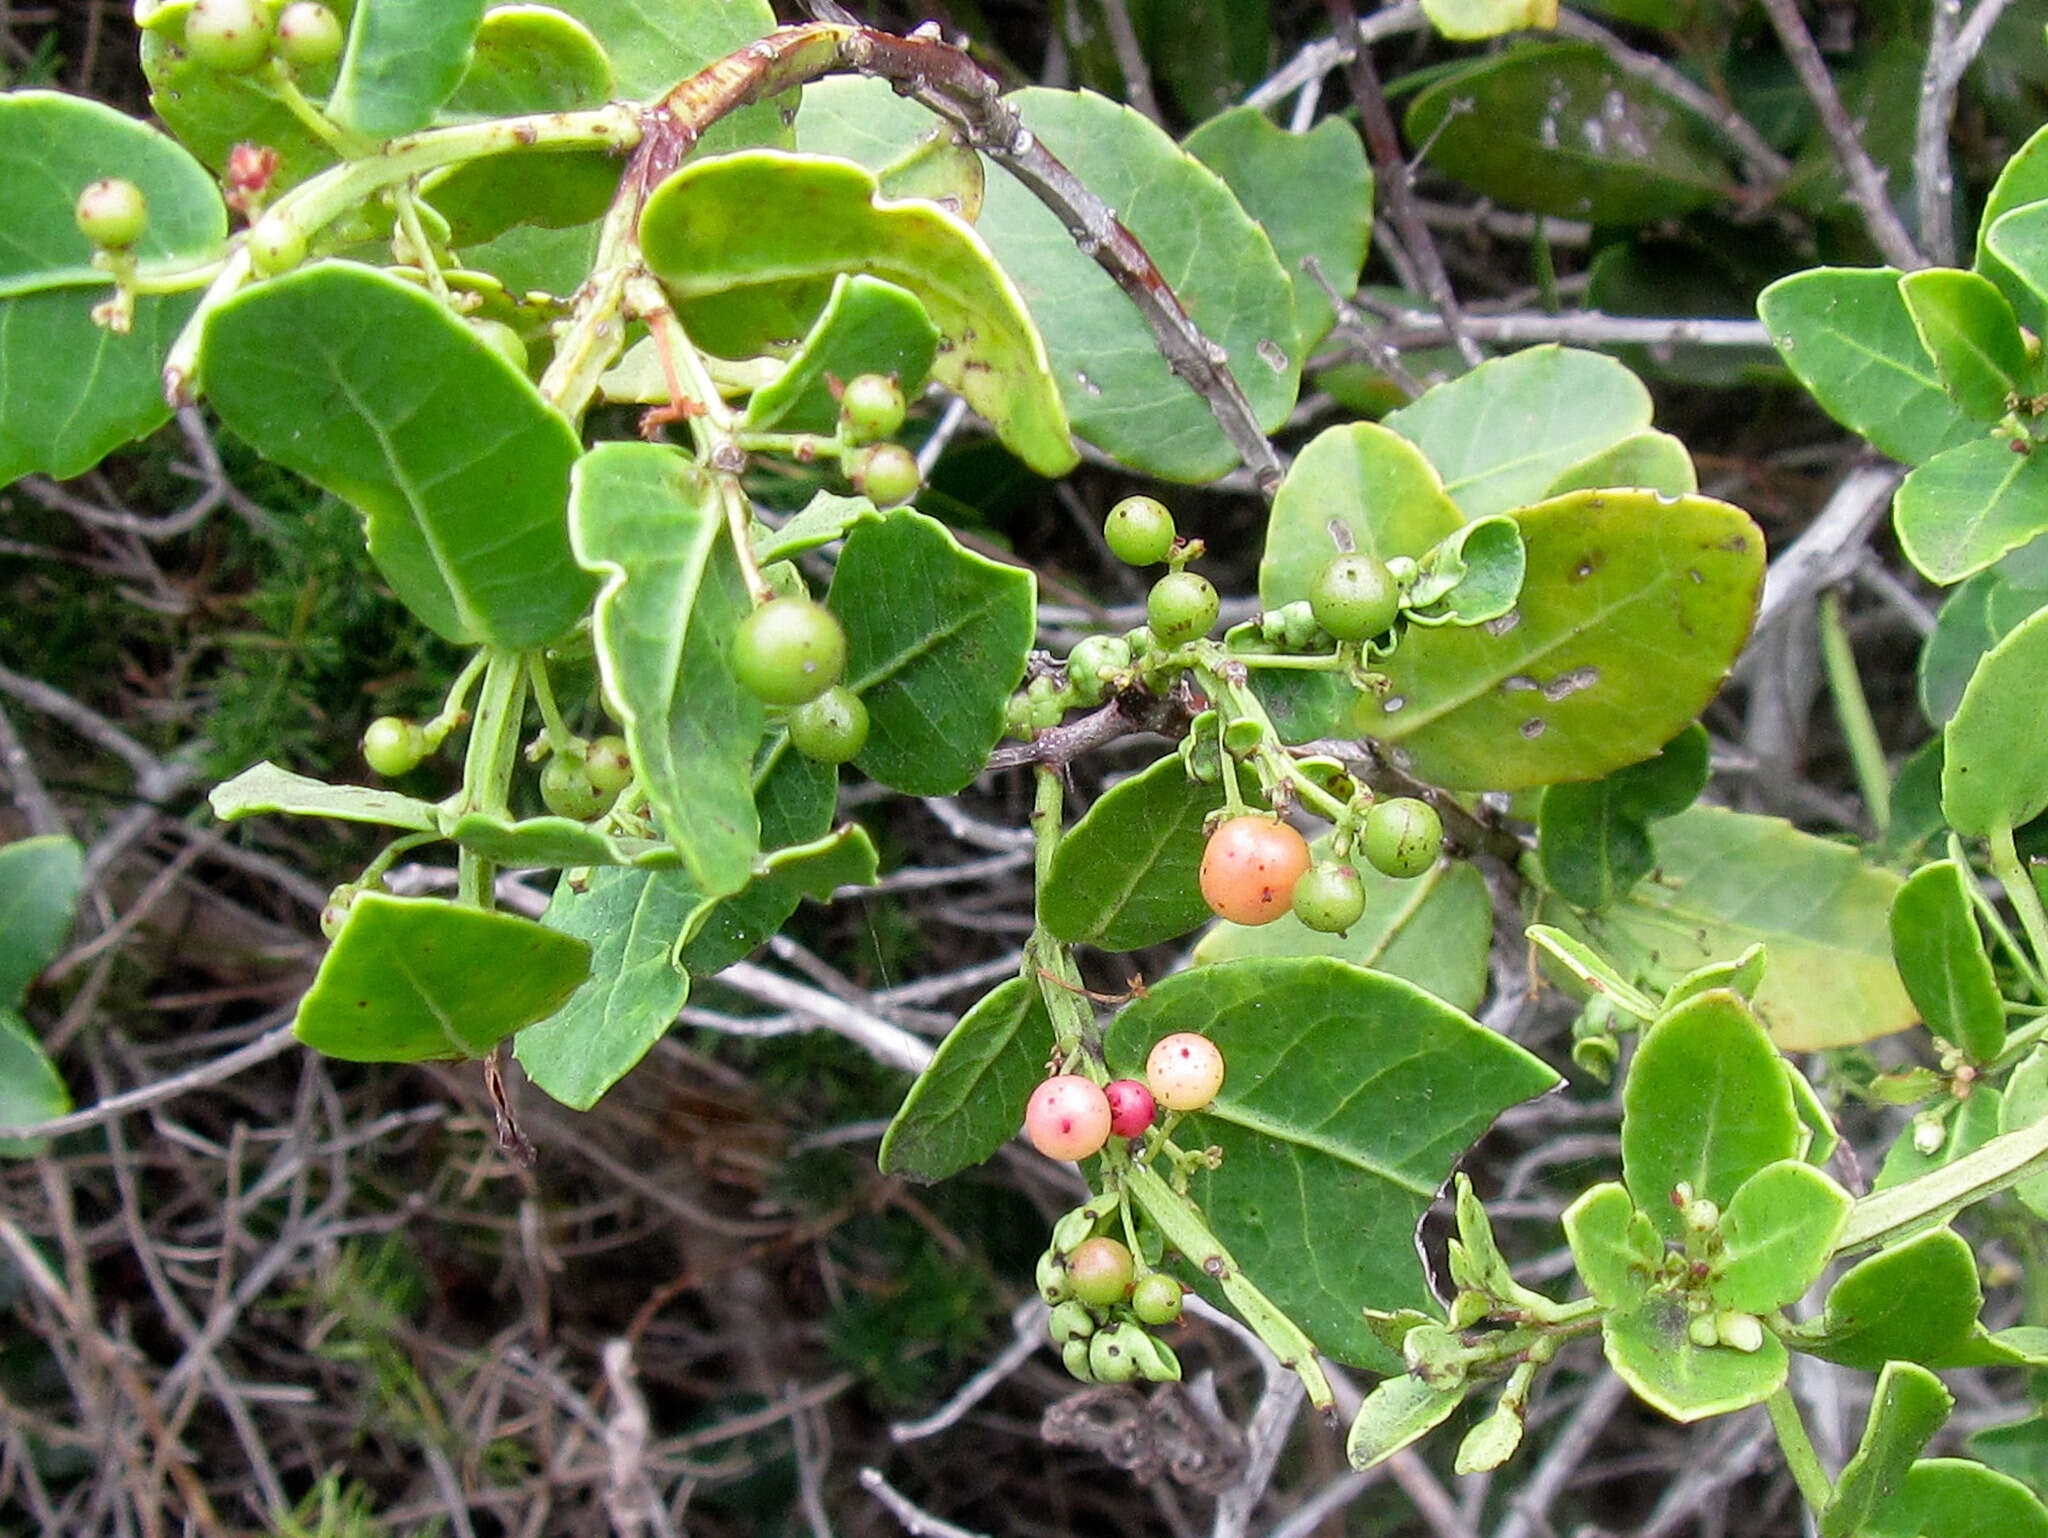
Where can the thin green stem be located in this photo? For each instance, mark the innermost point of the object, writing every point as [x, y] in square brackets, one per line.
[455, 703]
[1328, 663]
[1987, 912]
[416, 236]
[1852, 710]
[373, 873]
[317, 123]
[494, 734]
[2019, 891]
[1048, 808]
[560, 738]
[1797, 1447]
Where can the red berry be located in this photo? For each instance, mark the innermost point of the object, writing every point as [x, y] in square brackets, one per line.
[1131, 1108]
[1250, 867]
[1067, 1117]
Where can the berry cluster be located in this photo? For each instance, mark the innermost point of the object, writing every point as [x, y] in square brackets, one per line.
[1103, 1299]
[792, 652]
[1256, 869]
[1070, 1116]
[871, 411]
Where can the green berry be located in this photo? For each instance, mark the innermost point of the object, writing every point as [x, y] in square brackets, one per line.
[870, 407]
[1180, 607]
[1156, 1299]
[1094, 664]
[831, 728]
[1140, 531]
[1101, 1271]
[232, 36]
[568, 791]
[276, 245]
[789, 650]
[608, 764]
[112, 213]
[308, 35]
[886, 474]
[393, 746]
[1403, 837]
[1355, 597]
[335, 914]
[1329, 898]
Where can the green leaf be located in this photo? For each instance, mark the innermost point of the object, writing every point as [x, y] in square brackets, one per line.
[1581, 961]
[1916, 1302]
[1995, 772]
[1821, 1138]
[1943, 962]
[1470, 21]
[794, 798]
[31, 1089]
[652, 523]
[2024, 180]
[530, 58]
[1650, 460]
[557, 842]
[1124, 876]
[652, 44]
[404, 58]
[866, 327]
[211, 112]
[1586, 673]
[1356, 486]
[1846, 334]
[2018, 1448]
[1310, 192]
[1908, 1407]
[1435, 930]
[1350, 1093]
[2019, 241]
[1649, 1348]
[1118, 389]
[1955, 1498]
[913, 153]
[1971, 334]
[400, 983]
[1502, 433]
[1779, 1230]
[1594, 839]
[1558, 128]
[970, 1100]
[630, 920]
[1727, 881]
[1474, 574]
[824, 518]
[763, 216]
[486, 199]
[458, 466]
[1616, 1250]
[1400, 1410]
[1964, 630]
[38, 898]
[264, 788]
[2024, 1104]
[936, 641]
[1706, 1106]
[1968, 506]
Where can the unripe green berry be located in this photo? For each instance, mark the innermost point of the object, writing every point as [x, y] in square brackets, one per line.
[276, 245]
[1139, 531]
[567, 790]
[112, 213]
[393, 746]
[335, 914]
[1180, 607]
[1403, 836]
[1156, 1299]
[232, 36]
[831, 728]
[308, 35]
[609, 764]
[1101, 1271]
[789, 650]
[1355, 597]
[870, 407]
[886, 474]
[1329, 898]
[1093, 664]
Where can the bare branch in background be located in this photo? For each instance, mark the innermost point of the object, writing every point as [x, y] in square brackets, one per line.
[1952, 47]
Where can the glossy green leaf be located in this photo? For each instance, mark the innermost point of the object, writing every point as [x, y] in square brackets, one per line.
[1632, 610]
[530, 58]
[1558, 128]
[1968, 506]
[630, 920]
[1649, 1348]
[1846, 334]
[1124, 876]
[1726, 881]
[2019, 241]
[2025, 1104]
[38, 898]
[1501, 434]
[652, 44]
[1650, 460]
[1615, 1249]
[794, 798]
[264, 788]
[2022, 181]
[485, 199]
[404, 58]
[1971, 334]
[1820, 1136]
[1742, 975]
[2018, 1448]
[1916, 1302]
[1943, 962]
[823, 519]
[1399, 1411]
[1906, 1410]
[31, 1089]
[936, 640]
[1598, 977]
[459, 467]
[1955, 1498]
[1435, 930]
[1350, 1093]
[1995, 772]
[1310, 192]
[1357, 486]
[1705, 1106]
[1470, 21]
[913, 153]
[652, 523]
[1972, 619]
[867, 327]
[1594, 838]
[552, 842]
[1472, 575]
[1118, 390]
[1779, 1230]
[400, 983]
[762, 216]
[212, 112]
[970, 1100]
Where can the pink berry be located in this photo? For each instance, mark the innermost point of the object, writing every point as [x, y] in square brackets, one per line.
[1131, 1108]
[1184, 1071]
[1067, 1117]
